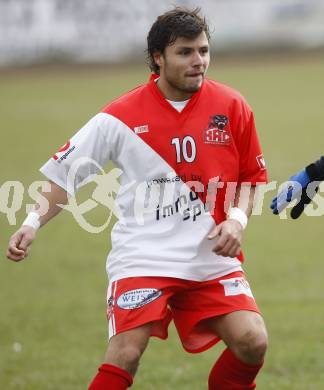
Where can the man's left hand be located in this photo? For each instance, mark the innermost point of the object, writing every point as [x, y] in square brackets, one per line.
[229, 238]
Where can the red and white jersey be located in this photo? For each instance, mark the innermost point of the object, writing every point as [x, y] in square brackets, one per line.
[173, 164]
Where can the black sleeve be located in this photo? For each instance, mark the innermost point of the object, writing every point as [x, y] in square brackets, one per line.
[315, 170]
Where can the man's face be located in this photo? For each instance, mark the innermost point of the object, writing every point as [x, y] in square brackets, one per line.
[183, 66]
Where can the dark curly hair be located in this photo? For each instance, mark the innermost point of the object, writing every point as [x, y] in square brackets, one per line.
[179, 22]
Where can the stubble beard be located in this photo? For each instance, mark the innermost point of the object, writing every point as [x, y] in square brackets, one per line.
[183, 87]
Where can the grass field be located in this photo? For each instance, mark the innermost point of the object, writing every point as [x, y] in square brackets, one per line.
[52, 306]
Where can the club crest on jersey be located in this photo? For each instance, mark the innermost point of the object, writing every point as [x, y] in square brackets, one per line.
[216, 133]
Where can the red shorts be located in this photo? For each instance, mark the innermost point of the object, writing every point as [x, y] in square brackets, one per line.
[135, 301]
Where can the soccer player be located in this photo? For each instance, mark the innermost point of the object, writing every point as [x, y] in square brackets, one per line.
[302, 186]
[189, 139]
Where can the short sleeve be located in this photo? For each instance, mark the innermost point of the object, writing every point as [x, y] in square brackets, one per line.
[252, 164]
[84, 155]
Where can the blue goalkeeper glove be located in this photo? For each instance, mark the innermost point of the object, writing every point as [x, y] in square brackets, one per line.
[297, 188]
[294, 189]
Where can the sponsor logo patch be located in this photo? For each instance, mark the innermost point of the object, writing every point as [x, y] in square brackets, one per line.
[216, 132]
[137, 298]
[63, 152]
[141, 129]
[236, 286]
[260, 161]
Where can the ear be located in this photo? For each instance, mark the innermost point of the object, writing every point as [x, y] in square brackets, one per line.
[158, 58]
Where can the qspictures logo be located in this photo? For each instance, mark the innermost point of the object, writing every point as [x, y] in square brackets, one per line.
[147, 195]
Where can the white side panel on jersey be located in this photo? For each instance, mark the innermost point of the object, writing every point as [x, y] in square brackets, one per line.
[164, 236]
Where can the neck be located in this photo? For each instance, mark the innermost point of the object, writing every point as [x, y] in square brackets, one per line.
[172, 93]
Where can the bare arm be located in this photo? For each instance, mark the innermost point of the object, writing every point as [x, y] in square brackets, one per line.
[229, 233]
[244, 198]
[47, 207]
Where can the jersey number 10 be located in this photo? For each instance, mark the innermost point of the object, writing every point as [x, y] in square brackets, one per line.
[185, 149]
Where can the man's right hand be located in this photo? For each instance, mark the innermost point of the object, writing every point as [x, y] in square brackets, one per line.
[20, 243]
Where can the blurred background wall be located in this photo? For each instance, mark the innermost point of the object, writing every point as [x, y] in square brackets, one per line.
[43, 31]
